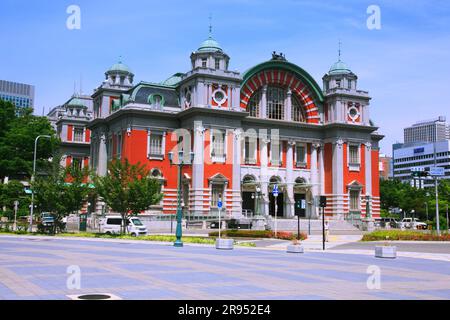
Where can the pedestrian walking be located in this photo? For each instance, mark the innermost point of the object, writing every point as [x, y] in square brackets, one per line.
[327, 231]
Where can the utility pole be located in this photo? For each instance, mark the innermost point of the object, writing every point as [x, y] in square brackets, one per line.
[32, 178]
[447, 217]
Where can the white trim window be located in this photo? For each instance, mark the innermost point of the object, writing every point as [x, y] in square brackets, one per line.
[300, 155]
[354, 157]
[217, 192]
[78, 134]
[276, 153]
[250, 146]
[355, 203]
[119, 142]
[155, 145]
[218, 145]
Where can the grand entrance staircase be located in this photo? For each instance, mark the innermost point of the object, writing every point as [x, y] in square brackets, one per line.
[316, 225]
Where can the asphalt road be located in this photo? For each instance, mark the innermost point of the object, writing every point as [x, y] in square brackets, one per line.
[428, 247]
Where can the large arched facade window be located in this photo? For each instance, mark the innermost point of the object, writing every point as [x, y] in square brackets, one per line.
[276, 97]
[254, 104]
[298, 112]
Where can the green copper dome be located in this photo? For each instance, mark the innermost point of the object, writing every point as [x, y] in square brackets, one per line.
[173, 80]
[339, 68]
[76, 102]
[120, 67]
[210, 45]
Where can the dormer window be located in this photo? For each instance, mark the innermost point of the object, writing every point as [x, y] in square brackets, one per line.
[349, 83]
[204, 62]
[338, 83]
[217, 63]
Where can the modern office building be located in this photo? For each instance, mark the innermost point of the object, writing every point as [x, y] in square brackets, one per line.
[421, 156]
[272, 125]
[20, 94]
[427, 131]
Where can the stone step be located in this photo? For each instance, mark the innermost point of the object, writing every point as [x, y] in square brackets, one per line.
[291, 225]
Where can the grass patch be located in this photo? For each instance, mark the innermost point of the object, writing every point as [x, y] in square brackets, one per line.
[404, 235]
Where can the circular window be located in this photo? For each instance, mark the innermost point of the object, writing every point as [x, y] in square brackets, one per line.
[353, 113]
[219, 96]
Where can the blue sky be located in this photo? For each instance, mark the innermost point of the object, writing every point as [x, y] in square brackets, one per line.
[405, 66]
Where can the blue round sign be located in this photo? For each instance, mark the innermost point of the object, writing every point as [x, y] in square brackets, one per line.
[219, 204]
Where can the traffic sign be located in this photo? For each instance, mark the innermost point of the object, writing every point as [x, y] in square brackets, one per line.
[275, 191]
[219, 204]
[437, 171]
[303, 204]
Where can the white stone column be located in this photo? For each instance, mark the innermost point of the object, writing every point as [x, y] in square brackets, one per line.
[338, 178]
[263, 172]
[288, 115]
[236, 180]
[368, 166]
[322, 170]
[102, 166]
[263, 103]
[198, 167]
[201, 94]
[290, 178]
[314, 174]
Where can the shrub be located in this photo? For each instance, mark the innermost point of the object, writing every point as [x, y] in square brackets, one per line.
[283, 235]
[405, 235]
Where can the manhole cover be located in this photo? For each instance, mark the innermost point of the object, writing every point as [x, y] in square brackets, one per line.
[94, 297]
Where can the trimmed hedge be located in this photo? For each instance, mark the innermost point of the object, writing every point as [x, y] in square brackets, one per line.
[283, 235]
[405, 235]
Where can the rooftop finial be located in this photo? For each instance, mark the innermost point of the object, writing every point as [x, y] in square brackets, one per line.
[120, 59]
[340, 43]
[210, 25]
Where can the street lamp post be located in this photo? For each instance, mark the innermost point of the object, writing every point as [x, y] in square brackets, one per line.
[426, 209]
[32, 179]
[180, 164]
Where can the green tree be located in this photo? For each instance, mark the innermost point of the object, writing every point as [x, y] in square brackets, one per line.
[18, 130]
[62, 192]
[10, 192]
[128, 189]
[396, 194]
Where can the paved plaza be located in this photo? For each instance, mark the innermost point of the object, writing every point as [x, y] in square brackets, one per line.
[37, 268]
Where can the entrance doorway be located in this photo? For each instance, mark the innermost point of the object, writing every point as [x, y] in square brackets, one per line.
[298, 197]
[280, 205]
[248, 201]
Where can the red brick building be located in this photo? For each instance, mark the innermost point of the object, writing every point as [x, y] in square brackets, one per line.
[271, 125]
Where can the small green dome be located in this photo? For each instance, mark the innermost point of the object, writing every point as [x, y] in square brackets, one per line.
[76, 102]
[210, 45]
[339, 68]
[120, 67]
[173, 80]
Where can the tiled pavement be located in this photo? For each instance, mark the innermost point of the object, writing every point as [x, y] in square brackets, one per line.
[37, 269]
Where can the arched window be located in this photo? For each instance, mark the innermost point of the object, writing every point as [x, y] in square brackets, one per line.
[253, 104]
[298, 113]
[276, 97]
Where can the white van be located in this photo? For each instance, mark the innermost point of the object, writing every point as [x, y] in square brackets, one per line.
[112, 224]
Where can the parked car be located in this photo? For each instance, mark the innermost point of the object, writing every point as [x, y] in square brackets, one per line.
[387, 222]
[413, 223]
[231, 224]
[112, 225]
